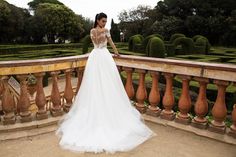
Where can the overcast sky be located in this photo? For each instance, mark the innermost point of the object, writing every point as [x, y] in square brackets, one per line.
[89, 8]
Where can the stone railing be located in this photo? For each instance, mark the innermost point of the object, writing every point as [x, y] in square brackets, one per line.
[221, 75]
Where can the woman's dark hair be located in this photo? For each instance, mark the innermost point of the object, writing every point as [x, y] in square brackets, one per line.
[98, 17]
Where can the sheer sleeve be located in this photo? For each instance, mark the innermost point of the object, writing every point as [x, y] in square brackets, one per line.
[108, 34]
[93, 36]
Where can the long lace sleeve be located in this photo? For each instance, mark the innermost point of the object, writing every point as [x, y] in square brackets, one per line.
[93, 36]
[110, 41]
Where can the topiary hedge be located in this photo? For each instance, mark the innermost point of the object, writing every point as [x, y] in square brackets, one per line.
[187, 45]
[146, 39]
[135, 42]
[156, 48]
[86, 43]
[203, 42]
[175, 36]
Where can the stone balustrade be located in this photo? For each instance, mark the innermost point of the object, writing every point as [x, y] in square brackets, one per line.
[221, 75]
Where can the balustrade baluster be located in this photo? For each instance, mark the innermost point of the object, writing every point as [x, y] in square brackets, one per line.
[168, 98]
[201, 105]
[184, 103]
[24, 101]
[232, 130]
[8, 103]
[129, 82]
[141, 94]
[154, 96]
[56, 109]
[80, 72]
[40, 98]
[68, 92]
[219, 110]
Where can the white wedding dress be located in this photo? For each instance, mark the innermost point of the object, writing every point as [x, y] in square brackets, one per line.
[102, 117]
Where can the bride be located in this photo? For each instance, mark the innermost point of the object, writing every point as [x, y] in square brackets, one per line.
[102, 117]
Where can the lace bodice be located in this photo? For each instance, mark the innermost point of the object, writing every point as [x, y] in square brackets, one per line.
[99, 38]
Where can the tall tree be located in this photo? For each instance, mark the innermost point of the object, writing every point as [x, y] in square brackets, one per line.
[35, 3]
[12, 22]
[115, 32]
[57, 21]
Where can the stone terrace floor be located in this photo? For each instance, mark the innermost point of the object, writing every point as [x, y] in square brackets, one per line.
[169, 142]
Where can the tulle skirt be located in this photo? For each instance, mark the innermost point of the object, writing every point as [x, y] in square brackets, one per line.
[102, 118]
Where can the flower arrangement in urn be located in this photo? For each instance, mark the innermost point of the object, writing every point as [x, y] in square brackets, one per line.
[32, 84]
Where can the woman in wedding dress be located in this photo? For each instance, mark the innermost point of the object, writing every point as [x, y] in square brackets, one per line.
[102, 117]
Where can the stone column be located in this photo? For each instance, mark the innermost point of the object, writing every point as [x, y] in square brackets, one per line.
[168, 98]
[219, 110]
[68, 92]
[24, 101]
[56, 108]
[141, 94]
[201, 105]
[129, 82]
[154, 96]
[184, 103]
[40, 98]
[8, 103]
[232, 131]
[80, 72]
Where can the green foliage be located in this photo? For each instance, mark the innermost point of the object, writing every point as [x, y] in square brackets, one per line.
[35, 3]
[11, 49]
[175, 36]
[146, 39]
[167, 26]
[57, 21]
[187, 45]
[134, 41]
[86, 43]
[115, 32]
[156, 48]
[170, 50]
[135, 20]
[13, 21]
[201, 41]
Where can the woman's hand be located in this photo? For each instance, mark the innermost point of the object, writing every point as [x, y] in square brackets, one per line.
[117, 54]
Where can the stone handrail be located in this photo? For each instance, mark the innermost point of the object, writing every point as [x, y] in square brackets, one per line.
[221, 74]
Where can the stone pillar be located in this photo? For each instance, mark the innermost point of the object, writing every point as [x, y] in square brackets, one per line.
[154, 96]
[141, 94]
[184, 103]
[40, 98]
[8, 103]
[80, 72]
[219, 110]
[56, 109]
[129, 82]
[168, 98]
[68, 92]
[201, 105]
[24, 101]
[232, 131]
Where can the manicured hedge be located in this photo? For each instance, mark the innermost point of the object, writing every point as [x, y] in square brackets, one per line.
[146, 39]
[175, 36]
[17, 48]
[86, 43]
[156, 48]
[134, 41]
[186, 43]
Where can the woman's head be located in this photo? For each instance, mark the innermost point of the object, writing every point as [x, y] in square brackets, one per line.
[100, 20]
